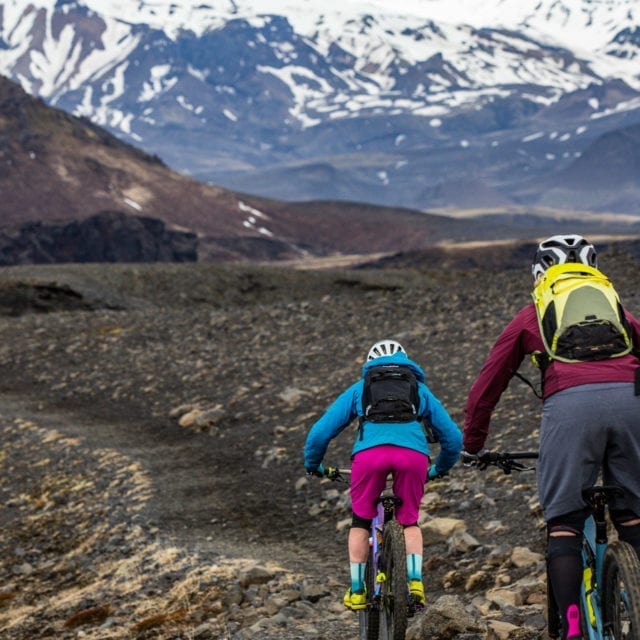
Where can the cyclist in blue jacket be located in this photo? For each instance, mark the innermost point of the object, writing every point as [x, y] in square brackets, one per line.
[389, 443]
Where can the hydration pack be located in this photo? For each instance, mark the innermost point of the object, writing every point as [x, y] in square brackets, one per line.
[580, 315]
[390, 394]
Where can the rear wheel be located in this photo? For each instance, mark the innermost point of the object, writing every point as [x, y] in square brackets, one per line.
[394, 592]
[369, 618]
[621, 592]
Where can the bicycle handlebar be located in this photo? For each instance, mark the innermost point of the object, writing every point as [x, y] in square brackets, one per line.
[508, 461]
[336, 474]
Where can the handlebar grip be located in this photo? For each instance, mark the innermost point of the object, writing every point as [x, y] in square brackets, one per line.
[335, 473]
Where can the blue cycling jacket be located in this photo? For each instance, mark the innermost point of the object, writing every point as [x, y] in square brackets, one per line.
[411, 435]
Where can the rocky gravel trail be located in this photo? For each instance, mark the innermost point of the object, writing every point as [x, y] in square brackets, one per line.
[153, 419]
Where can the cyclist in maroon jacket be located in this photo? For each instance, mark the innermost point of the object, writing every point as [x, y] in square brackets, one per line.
[590, 422]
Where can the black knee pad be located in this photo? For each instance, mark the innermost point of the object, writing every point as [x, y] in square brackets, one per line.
[564, 546]
[360, 523]
[630, 533]
[572, 522]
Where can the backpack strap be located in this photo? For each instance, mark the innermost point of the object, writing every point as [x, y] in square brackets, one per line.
[542, 360]
[533, 386]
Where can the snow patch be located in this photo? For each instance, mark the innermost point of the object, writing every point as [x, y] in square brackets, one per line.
[249, 209]
[533, 136]
[133, 204]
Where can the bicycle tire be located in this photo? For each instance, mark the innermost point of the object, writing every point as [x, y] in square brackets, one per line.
[621, 592]
[394, 593]
[369, 619]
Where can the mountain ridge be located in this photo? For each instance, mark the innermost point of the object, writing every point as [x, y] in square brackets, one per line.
[58, 170]
[398, 99]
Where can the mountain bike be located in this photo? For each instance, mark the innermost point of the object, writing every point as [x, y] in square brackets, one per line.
[389, 603]
[610, 593]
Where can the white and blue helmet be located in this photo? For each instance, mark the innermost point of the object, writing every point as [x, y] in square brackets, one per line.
[561, 249]
[384, 348]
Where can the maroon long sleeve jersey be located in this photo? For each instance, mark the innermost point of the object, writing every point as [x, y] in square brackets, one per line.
[520, 338]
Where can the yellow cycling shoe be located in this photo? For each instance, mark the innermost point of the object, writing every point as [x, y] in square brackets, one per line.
[416, 589]
[355, 601]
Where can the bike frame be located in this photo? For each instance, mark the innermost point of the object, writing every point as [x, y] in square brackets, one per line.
[593, 552]
[386, 509]
[595, 544]
[387, 503]
[373, 620]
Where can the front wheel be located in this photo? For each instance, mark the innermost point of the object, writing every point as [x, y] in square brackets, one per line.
[621, 592]
[394, 593]
[369, 619]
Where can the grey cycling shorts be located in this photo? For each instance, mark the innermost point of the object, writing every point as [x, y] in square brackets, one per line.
[585, 430]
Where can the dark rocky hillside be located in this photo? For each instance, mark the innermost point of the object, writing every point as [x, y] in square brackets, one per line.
[57, 168]
[153, 418]
[109, 236]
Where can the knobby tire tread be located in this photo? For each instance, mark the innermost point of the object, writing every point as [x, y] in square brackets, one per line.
[621, 564]
[370, 618]
[395, 600]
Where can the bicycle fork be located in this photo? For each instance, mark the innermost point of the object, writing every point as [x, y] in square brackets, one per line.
[386, 510]
[380, 575]
[594, 545]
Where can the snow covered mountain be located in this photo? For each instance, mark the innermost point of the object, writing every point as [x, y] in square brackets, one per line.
[420, 103]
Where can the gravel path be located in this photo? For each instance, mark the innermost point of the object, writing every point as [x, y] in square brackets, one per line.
[153, 418]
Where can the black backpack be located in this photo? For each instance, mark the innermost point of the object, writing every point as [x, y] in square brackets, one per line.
[390, 394]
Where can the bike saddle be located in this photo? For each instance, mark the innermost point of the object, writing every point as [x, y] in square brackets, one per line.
[604, 493]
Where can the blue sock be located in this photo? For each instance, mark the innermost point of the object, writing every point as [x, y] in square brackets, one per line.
[357, 576]
[414, 566]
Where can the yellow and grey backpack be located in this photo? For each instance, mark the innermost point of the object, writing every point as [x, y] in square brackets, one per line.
[580, 314]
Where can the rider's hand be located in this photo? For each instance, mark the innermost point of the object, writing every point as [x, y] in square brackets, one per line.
[468, 459]
[434, 473]
[478, 460]
[315, 471]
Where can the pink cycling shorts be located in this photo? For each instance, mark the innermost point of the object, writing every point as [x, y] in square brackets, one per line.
[369, 471]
